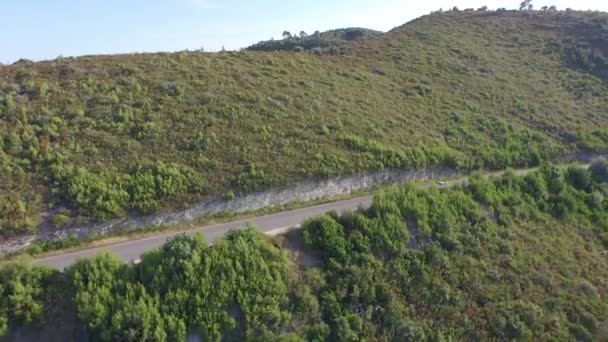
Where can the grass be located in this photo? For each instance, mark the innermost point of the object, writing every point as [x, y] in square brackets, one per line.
[99, 137]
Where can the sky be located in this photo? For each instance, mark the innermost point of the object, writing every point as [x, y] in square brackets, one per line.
[44, 29]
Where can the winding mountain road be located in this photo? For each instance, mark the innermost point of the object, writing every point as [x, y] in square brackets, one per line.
[273, 224]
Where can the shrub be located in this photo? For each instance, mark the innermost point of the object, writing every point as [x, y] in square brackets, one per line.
[251, 180]
[22, 295]
[229, 196]
[326, 234]
[109, 194]
[15, 214]
[171, 89]
[578, 177]
[60, 220]
[100, 195]
[599, 170]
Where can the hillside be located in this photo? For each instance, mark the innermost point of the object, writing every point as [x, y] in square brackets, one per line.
[518, 258]
[96, 137]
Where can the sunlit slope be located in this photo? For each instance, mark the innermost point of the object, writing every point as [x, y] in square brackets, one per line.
[97, 137]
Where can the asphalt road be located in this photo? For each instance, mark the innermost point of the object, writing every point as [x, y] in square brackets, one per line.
[273, 224]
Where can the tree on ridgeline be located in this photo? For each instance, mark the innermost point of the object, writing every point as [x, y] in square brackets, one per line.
[526, 5]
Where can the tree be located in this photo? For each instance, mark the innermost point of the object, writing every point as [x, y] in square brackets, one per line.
[317, 37]
[579, 178]
[325, 234]
[286, 35]
[353, 35]
[94, 281]
[525, 5]
[554, 177]
[137, 317]
[21, 295]
[303, 34]
[553, 8]
[599, 170]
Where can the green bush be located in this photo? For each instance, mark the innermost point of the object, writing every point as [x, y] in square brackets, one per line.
[15, 215]
[60, 220]
[22, 295]
[107, 194]
[579, 178]
[599, 170]
[251, 180]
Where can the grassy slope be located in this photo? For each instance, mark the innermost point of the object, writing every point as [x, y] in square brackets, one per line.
[458, 89]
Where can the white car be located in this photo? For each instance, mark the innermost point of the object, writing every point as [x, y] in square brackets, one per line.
[442, 185]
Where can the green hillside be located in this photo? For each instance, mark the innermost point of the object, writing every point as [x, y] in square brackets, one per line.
[97, 137]
[508, 259]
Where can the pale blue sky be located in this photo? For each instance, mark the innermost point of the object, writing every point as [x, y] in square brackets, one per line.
[45, 29]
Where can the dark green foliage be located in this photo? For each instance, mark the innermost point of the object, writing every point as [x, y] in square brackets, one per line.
[599, 170]
[15, 215]
[23, 295]
[96, 285]
[238, 287]
[324, 41]
[328, 234]
[113, 307]
[579, 178]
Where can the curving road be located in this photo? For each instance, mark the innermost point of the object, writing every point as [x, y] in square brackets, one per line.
[273, 224]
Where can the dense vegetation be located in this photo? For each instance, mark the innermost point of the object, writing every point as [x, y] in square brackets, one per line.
[512, 258]
[97, 137]
[319, 42]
